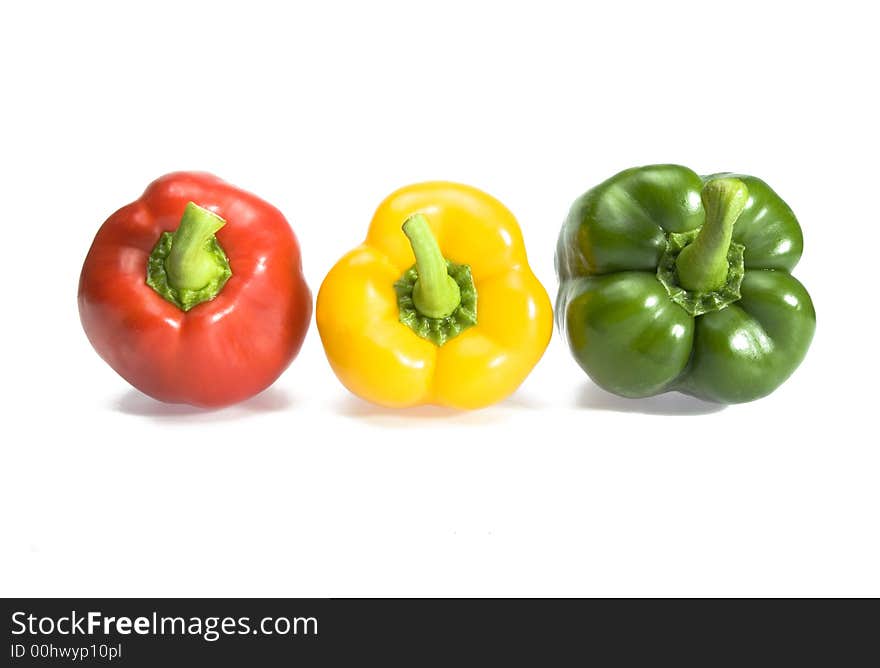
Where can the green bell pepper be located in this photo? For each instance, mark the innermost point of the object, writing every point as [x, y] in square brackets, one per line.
[673, 281]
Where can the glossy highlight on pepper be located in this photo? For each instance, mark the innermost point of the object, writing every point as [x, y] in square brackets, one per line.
[438, 305]
[194, 293]
[673, 281]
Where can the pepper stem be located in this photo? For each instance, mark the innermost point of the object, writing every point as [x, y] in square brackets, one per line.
[190, 264]
[188, 267]
[702, 265]
[435, 293]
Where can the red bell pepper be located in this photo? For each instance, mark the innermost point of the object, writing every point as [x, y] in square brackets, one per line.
[194, 293]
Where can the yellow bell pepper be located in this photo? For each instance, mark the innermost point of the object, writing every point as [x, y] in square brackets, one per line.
[438, 305]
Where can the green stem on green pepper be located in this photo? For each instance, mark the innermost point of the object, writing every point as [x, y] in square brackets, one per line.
[702, 265]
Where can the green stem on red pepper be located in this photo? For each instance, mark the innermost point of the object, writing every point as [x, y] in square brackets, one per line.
[188, 266]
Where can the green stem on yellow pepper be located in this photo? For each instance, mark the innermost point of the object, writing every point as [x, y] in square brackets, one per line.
[435, 293]
[702, 265]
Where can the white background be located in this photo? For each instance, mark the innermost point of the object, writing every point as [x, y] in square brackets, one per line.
[323, 110]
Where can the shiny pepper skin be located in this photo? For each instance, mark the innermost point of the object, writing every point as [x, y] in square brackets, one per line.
[381, 359]
[621, 322]
[220, 351]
